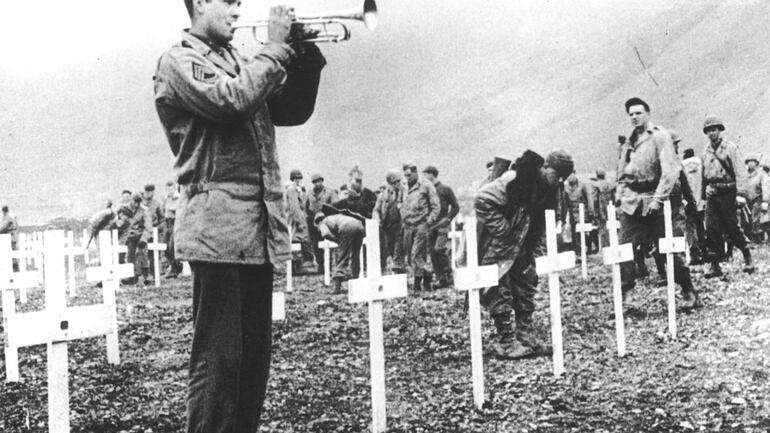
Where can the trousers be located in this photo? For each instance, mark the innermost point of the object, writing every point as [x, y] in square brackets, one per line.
[643, 230]
[721, 222]
[439, 250]
[230, 356]
[416, 250]
[515, 291]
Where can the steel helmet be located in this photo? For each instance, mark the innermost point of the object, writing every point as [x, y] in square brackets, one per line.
[713, 121]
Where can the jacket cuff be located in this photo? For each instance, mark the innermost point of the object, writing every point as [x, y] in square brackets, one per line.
[280, 52]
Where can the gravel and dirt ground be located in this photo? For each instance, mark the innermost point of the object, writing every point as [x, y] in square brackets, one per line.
[714, 377]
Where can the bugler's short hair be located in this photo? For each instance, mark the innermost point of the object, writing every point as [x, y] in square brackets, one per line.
[637, 101]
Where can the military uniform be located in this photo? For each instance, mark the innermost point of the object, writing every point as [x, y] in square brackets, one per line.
[314, 204]
[438, 239]
[648, 171]
[696, 236]
[169, 215]
[604, 194]
[419, 211]
[757, 198]
[724, 181]
[578, 192]
[218, 111]
[296, 218]
[387, 209]
[348, 233]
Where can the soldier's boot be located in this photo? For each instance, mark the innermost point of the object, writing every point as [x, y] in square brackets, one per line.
[337, 285]
[690, 300]
[442, 282]
[426, 282]
[506, 346]
[525, 334]
[748, 266]
[715, 270]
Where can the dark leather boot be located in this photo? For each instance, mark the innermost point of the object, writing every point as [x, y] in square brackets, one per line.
[748, 266]
[337, 285]
[417, 286]
[507, 346]
[426, 282]
[715, 271]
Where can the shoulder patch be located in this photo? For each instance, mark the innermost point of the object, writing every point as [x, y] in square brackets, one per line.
[203, 73]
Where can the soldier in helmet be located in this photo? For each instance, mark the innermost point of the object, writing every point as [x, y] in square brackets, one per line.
[296, 203]
[725, 180]
[757, 195]
[604, 194]
[648, 172]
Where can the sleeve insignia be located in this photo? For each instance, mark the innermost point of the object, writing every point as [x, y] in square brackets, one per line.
[203, 74]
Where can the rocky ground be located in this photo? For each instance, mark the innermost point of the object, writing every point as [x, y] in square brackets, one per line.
[714, 377]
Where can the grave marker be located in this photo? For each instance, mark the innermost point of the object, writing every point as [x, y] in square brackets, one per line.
[551, 264]
[582, 227]
[289, 273]
[472, 279]
[669, 246]
[327, 245]
[156, 247]
[55, 326]
[614, 255]
[11, 281]
[454, 236]
[374, 290]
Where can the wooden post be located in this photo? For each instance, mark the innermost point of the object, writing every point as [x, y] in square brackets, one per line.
[109, 273]
[551, 264]
[327, 245]
[614, 255]
[11, 281]
[454, 235]
[583, 228]
[279, 306]
[472, 279]
[375, 289]
[289, 271]
[156, 246]
[669, 246]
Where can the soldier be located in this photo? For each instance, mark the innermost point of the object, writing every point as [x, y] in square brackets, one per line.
[693, 170]
[578, 192]
[136, 229]
[169, 215]
[438, 236]
[648, 170]
[9, 225]
[296, 218]
[357, 199]
[155, 212]
[348, 232]
[318, 196]
[510, 211]
[604, 194]
[99, 221]
[757, 196]
[725, 180]
[219, 111]
[388, 211]
[419, 212]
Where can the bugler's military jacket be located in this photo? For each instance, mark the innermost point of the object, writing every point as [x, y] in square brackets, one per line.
[218, 111]
[648, 169]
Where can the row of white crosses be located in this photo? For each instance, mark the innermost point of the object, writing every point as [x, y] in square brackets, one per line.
[58, 324]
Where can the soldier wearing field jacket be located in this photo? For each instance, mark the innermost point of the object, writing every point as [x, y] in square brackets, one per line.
[388, 210]
[724, 176]
[419, 211]
[219, 110]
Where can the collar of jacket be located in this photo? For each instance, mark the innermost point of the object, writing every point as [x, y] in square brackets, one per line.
[191, 41]
[710, 148]
[649, 129]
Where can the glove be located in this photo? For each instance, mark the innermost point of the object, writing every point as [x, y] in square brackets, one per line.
[740, 200]
[764, 207]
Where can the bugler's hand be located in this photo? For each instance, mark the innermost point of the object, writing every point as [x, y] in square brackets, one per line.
[279, 23]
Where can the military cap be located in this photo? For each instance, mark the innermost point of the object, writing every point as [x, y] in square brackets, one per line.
[751, 157]
[125, 191]
[688, 153]
[137, 197]
[5, 208]
[636, 101]
[621, 139]
[316, 177]
[713, 121]
[430, 169]
[490, 164]
[149, 187]
[409, 166]
[295, 174]
[392, 176]
[600, 173]
[561, 161]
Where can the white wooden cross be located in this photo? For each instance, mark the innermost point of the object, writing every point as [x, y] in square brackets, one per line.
[279, 306]
[11, 281]
[472, 279]
[362, 257]
[109, 273]
[186, 271]
[454, 236]
[289, 273]
[327, 245]
[614, 255]
[551, 264]
[22, 256]
[156, 247]
[582, 227]
[55, 326]
[669, 246]
[375, 289]
[71, 251]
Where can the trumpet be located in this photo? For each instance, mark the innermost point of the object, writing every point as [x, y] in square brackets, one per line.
[366, 14]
